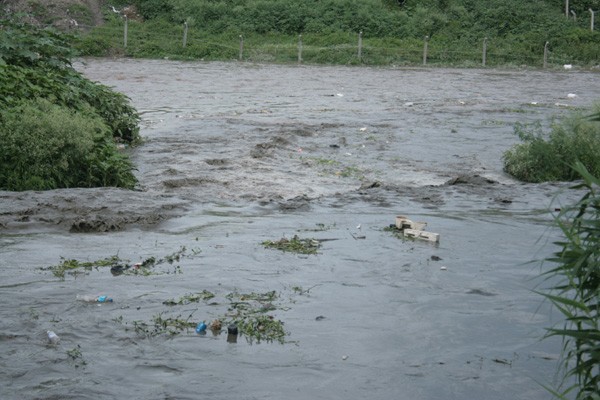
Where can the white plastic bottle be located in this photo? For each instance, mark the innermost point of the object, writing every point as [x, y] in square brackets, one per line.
[53, 337]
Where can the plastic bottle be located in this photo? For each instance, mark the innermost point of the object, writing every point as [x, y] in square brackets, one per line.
[201, 327]
[94, 299]
[53, 337]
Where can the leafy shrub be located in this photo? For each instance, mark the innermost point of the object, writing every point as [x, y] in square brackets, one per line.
[28, 46]
[542, 158]
[46, 146]
[35, 63]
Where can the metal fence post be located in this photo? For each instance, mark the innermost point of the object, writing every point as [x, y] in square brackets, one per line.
[484, 56]
[299, 49]
[592, 21]
[567, 9]
[360, 46]
[185, 31]
[125, 33]
[425, 50]
[546, 54]
[241, 47]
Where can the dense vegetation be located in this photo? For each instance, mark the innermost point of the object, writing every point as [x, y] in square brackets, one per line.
[393, 30]
[575, 291]
[545, 157]
[57, 128]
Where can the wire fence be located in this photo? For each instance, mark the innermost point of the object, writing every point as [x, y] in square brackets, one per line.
[183, 42]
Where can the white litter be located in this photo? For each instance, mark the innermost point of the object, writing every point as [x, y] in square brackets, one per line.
[571, 95]
[567, 66]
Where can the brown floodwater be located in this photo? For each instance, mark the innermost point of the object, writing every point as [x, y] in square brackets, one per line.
[235, 154]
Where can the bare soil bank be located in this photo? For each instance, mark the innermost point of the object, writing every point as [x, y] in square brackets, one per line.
[59, 13]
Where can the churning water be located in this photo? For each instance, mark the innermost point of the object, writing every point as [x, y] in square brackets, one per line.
[236, 154]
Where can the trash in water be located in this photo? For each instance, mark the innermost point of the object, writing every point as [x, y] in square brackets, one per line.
[571, 95]
[94, 299]
[232, 333]
[53, 337]
[216, 326]
[413, 229]
[201, 328]
[232, 329]
[443, 268]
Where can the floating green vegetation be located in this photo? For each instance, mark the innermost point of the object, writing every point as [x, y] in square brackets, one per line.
[349, 172]
[248, 311]
[190, 298]
[261, 327]
[398, 233]
[117, 265]
[75, 267]
[266, 296]
[76, 356]
[161, 325]
[294, 245]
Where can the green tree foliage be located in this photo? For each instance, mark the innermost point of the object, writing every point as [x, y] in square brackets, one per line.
[57, 128]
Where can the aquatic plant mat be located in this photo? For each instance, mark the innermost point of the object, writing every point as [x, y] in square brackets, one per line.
[294, 245]
[118, 266]
[251, 315]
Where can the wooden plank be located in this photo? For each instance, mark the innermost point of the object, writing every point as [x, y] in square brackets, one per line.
[403, 222]
[416, 234]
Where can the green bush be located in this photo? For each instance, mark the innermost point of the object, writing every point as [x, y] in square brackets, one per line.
[35, 63]
[46, 146]
[542, 158]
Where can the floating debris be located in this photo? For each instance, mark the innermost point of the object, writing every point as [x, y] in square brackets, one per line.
[405, 227]
[117, 265]
[190, 298]
[294, 245]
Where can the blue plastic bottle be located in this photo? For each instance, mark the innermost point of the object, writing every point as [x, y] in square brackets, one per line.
[201, 327]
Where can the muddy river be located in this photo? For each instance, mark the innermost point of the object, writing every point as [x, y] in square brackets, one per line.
[236, 154]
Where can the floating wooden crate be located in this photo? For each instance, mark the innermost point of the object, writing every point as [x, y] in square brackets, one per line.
[417, 234]
[404, 223]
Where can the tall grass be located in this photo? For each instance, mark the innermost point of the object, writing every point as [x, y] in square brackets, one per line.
[576, 291]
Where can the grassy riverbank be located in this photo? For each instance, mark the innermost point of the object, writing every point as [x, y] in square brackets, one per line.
[457, 32]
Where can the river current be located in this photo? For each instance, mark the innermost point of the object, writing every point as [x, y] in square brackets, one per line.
[236, 154]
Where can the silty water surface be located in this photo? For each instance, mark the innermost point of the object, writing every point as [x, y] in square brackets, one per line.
[236, 154]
